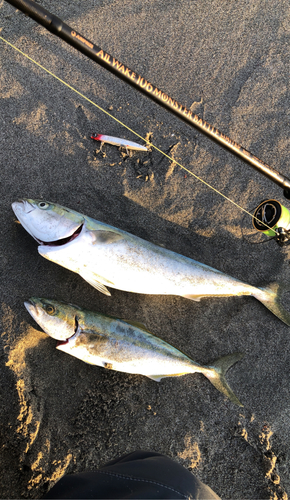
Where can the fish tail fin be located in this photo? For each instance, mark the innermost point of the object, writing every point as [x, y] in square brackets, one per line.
[216, 375]
[270, 297]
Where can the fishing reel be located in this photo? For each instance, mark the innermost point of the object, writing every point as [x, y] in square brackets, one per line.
[273, 219]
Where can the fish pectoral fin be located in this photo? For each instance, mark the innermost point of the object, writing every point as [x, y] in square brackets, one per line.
[95, 281]
[157, 378]
[137, 324]
[107, 237]
[196, 298]
[93, 333]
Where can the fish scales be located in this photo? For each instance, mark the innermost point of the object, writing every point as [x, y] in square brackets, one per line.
[120, 345]
[124, 346]
[109, 257]
[129, 265]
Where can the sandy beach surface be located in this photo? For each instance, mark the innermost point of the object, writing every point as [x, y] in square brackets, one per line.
[228, 62]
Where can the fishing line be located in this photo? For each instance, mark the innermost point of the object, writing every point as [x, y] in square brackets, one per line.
[133, 132]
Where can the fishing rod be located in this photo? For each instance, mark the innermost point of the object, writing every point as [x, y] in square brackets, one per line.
[268, 213]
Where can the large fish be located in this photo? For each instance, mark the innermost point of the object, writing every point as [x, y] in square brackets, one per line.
[109, 257]
[120, 345]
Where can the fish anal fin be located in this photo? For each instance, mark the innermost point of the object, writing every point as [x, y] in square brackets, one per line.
[107, 237]
[196, 298]
[95, 281]
[157, 378]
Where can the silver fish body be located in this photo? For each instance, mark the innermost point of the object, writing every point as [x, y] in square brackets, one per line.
[120, 345]
[109, 257]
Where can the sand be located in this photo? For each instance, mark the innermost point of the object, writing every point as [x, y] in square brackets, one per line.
[229, 62]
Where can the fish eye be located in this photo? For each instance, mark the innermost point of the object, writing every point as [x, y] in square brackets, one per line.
[50, 309]
[43, 205]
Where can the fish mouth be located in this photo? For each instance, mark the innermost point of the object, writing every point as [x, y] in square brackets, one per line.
[61, 241]
[22, 206]
[63, 342]
[43, 229]
[31, 307]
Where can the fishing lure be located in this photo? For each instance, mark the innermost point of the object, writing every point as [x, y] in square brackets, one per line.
[121, 143]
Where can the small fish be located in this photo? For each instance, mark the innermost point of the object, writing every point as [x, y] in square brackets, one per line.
[120, 345]
[116, 141]
[109, 257]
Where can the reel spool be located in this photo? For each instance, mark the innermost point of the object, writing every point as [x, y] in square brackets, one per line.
[276, 217]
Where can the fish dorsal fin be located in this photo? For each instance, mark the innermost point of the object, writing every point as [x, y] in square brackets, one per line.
[103, 236]
[137, 324]
[95, 281]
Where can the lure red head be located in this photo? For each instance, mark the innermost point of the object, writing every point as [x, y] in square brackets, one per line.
[97, 137]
